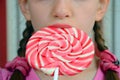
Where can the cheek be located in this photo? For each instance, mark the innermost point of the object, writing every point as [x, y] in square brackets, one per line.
[38, 17]
[38, 22]
[86, 20]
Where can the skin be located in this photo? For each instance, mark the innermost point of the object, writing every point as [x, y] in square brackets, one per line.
[77, 13]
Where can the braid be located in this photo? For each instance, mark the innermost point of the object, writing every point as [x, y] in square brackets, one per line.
[26, 35]
[98, 37]
[17, 75]
[109, 75]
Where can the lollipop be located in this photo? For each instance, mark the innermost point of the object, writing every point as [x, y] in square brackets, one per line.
[67, 50]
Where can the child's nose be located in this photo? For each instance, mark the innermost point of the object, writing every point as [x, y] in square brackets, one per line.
[62, 9]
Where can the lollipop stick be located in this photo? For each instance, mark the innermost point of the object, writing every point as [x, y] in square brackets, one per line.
[56, 74]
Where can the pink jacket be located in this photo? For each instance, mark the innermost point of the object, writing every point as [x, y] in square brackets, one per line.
[107, 62]
[5, 75]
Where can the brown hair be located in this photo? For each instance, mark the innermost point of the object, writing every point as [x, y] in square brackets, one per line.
[17, 75]
[109, 75]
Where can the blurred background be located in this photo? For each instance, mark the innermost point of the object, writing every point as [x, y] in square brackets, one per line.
[12, 24]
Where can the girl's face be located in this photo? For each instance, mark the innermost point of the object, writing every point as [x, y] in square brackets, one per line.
[77, 13]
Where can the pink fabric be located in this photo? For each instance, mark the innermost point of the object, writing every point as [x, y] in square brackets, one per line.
[5, 75]
[32, 76]
[99, 75]
[19, 63]
[108, 61]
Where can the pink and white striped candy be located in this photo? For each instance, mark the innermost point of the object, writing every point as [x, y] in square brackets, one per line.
[68, 49]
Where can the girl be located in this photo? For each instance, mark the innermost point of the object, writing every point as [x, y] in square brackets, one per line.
[83, 14]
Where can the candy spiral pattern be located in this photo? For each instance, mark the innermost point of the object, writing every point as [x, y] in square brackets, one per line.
[69, 49]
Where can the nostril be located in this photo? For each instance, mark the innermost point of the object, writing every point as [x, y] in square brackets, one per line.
[56, 16]
[67, 16]
[61, 16]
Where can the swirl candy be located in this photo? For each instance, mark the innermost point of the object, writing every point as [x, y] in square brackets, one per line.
[68, 49]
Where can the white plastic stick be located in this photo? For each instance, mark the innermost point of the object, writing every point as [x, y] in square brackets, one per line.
[56, 73]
